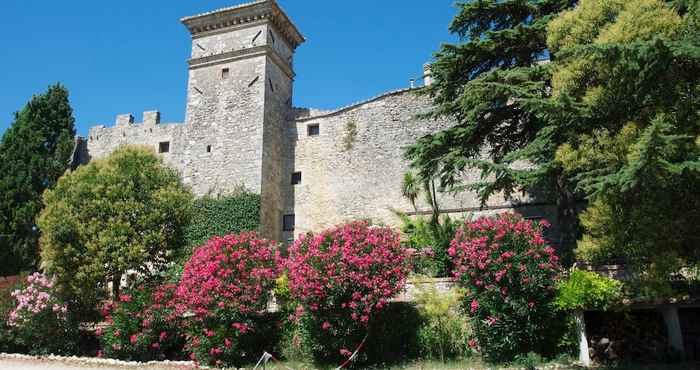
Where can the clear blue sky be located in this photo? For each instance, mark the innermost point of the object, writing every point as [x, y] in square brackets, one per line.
[130, 56]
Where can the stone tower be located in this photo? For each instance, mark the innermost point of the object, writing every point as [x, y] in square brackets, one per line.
[239, 103]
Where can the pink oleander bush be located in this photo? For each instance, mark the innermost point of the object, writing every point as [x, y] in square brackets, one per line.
[225, 285]
[509, 272]
[342, 279]
[39, 317]
[142, 325]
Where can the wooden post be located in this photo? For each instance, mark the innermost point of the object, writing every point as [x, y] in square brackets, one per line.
[673, 328]
[583, 356]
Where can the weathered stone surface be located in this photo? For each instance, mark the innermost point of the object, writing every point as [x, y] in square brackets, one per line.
[241, 130]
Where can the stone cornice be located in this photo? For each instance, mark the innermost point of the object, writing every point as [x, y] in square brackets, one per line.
[268, 10]
[242, 54]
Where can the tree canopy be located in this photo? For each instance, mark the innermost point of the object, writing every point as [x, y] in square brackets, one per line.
[34, 152]
[124, 213]
[611, 120]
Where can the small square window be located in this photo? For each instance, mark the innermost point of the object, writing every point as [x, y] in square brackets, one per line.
[288, 223]
[225, 73]
[208, 148]
[296, 178]
[164, 147]
[313, 130]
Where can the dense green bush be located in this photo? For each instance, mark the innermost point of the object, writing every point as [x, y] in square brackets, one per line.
[220, 216]
[431, 239]
[7, 303]
[126, 212]
[585, 290]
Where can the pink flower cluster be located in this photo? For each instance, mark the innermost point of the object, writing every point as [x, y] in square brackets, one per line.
[35, 299]
[224, 282]
[348, 272]
[235, 272]
[509, 272]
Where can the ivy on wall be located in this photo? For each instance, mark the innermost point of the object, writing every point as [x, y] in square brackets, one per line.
[223, 215]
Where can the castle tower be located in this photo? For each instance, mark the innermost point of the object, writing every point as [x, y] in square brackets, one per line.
[239, 103]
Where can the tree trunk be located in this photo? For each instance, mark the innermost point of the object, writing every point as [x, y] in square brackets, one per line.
[116, 286]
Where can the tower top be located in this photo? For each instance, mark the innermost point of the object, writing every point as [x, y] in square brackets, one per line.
[235, 16]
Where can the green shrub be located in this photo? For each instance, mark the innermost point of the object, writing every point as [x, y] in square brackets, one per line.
[7, 303]
[445, 330]
[126, 212]
[585, 290]
[220, 216]
[431, 240]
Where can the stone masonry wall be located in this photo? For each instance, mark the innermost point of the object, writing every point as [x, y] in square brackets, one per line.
[355, 167]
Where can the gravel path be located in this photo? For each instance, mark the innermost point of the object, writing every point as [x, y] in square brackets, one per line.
[13, 362]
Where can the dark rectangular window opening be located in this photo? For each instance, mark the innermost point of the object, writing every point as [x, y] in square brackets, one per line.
[296, 178]
[313, 130]
[164, 147]
[208, 148]
[225, 73]
[288, 223]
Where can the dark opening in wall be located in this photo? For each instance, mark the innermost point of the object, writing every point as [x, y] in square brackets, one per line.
[296, 178]
[272, 86]
[225, 73]
[313, 130]
[288, 223]
[208, 148]
[164, 147]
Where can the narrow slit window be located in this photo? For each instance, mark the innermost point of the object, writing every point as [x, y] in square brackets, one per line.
[288, 223]
[272, 86]
[208, 148]
[164, 147]
[296, 178]
[313, 130]
[225, 73]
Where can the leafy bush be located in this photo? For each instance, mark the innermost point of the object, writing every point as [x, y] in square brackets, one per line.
[445, 331]
[39, 318]
[7, 303]
[219, 216]
[126, 212]
[224, 286]
[343, 277]
[142, 325]
[431, 238]
[509, 273]
[585, 290]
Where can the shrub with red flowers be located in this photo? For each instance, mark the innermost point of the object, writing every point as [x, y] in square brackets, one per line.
[39, 317]
[142, 325]
[225, 285]
[509, 273]
[342, 278]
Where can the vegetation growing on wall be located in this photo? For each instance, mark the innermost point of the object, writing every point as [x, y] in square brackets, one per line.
[222, 215]
[350, 135]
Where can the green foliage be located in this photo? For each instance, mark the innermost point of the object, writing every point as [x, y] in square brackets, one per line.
[585, 290]
[494, 87]
[445, 331]
[34, 152]
[223, 215]
[634, 154]
[431, 241]
[126, 212]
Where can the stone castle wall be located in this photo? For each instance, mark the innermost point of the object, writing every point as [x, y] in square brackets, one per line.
[355, 167]
[241, 130]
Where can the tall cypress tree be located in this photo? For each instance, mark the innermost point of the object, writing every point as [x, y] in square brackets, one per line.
[34, 152]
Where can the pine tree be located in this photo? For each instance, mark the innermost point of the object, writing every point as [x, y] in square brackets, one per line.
[495, 86]
[34, 152]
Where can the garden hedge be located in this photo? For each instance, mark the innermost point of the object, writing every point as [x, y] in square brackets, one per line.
[220, 216]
